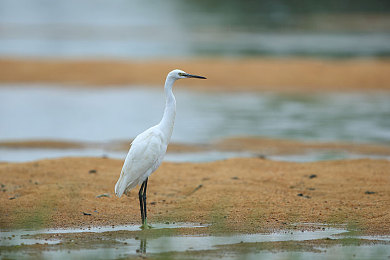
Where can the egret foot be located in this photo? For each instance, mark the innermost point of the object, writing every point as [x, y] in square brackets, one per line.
[145, 225]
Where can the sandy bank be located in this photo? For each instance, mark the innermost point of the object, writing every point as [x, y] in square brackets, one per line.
[246, 195]
[267, 74]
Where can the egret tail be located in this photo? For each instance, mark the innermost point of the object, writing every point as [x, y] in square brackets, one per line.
[123, 184]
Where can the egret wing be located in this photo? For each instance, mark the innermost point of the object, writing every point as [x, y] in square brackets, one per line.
[144, 157]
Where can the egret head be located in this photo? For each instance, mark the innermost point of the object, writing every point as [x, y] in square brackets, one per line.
[179, 74]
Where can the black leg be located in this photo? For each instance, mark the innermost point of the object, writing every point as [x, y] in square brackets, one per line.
[145, 183]
[141, 204]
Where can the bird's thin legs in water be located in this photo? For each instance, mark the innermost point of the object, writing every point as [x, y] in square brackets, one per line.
[142, 203]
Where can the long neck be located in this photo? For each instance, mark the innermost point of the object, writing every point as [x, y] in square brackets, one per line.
[168, 119]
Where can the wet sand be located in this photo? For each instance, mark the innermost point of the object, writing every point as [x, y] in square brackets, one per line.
[237, 195]
[265, 74]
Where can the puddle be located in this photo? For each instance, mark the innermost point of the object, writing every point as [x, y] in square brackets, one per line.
[366, 252]
[184, 243]
[171, 243]
[17, 237]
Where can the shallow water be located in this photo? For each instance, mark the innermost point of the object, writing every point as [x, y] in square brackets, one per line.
[104, 115]
[153, 246]
[365, 252]
[27, 155]
[19, 236]
[52, 112]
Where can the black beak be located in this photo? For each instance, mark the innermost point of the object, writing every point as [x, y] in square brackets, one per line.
[194, 76]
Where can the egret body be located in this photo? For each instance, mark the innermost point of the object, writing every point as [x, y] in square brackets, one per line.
[148, 148]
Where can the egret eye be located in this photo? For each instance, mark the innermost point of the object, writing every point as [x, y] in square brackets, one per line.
[181, 74]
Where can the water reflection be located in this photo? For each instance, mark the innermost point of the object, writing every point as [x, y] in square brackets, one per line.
[142, 246]
[150, 244]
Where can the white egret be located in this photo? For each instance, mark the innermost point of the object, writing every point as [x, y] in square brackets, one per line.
[148, 148]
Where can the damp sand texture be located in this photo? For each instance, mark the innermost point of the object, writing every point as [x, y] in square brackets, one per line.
[248, 195]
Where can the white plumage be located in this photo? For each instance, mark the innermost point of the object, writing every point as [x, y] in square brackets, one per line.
[148, 148]
[145, 156]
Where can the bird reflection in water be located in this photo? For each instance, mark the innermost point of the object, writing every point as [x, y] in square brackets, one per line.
[142, 247]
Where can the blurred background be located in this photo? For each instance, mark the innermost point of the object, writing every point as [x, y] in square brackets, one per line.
[287, 80]
[136, 29]
[53, 102]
